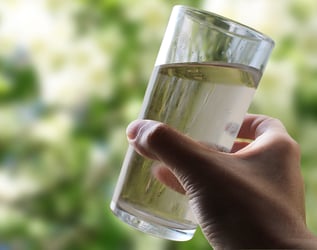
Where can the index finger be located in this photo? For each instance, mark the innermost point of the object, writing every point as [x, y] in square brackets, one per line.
[255, 125]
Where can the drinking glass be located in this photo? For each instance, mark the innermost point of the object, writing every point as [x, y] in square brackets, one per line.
[206, 73]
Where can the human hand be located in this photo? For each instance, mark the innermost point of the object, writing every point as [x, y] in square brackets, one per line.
[252, 197]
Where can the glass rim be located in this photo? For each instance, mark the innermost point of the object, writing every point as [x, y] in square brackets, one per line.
[256, 35]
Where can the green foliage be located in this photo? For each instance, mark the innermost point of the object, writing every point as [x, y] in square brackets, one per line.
[18, 78]
[306, 95]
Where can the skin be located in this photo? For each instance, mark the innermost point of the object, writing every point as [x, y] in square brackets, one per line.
[252, 197]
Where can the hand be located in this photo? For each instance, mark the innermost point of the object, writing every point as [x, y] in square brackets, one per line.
[252, 197]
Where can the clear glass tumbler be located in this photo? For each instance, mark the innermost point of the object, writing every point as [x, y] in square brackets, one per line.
[204, 79]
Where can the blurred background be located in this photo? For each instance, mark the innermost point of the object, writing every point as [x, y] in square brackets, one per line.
[73, 75]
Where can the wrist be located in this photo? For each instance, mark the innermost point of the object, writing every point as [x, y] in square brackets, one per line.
[302, 239]
[306, 241]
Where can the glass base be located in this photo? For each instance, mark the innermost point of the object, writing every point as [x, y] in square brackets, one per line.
[152, 225]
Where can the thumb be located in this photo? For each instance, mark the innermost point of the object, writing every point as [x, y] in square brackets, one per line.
[186, 158]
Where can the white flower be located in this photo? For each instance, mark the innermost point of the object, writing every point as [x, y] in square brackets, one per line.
[13, 188]
[55, 129]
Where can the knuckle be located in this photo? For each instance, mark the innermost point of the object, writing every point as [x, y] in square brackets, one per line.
[286, 145]
[157, 134]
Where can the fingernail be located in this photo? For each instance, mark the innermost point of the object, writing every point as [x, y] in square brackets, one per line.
[139, 130]
[133, 129]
